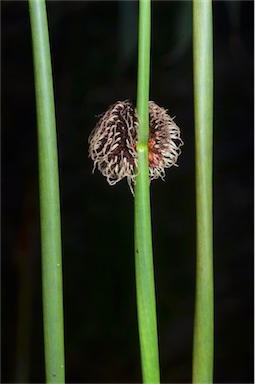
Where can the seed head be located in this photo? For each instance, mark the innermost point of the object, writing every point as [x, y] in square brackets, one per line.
[112, 143]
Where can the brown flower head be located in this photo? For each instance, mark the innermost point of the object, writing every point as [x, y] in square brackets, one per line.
[112, 143]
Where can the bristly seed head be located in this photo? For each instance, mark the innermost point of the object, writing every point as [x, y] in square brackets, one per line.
[112, 143]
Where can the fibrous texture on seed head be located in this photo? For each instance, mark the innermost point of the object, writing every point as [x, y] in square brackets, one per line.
[164, 141]
[112, 143]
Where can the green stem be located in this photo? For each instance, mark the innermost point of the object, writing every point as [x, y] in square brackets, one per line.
[49, 197]
[145, 290]
[203, 99]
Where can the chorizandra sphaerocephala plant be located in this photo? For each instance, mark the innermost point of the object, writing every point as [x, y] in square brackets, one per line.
[112, 143]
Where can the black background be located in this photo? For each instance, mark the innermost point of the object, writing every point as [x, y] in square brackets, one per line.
[94, 54]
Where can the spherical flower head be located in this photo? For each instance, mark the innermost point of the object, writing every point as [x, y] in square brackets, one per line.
[112, 143]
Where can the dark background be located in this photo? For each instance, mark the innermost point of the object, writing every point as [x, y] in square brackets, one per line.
[94, 54]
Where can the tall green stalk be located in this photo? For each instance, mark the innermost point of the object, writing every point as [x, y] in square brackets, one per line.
[145, 290]
[203, 99]
[49, 197]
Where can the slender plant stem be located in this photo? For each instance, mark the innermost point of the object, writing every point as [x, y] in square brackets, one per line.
[203, 99]
[49, 197]
[146, 303]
